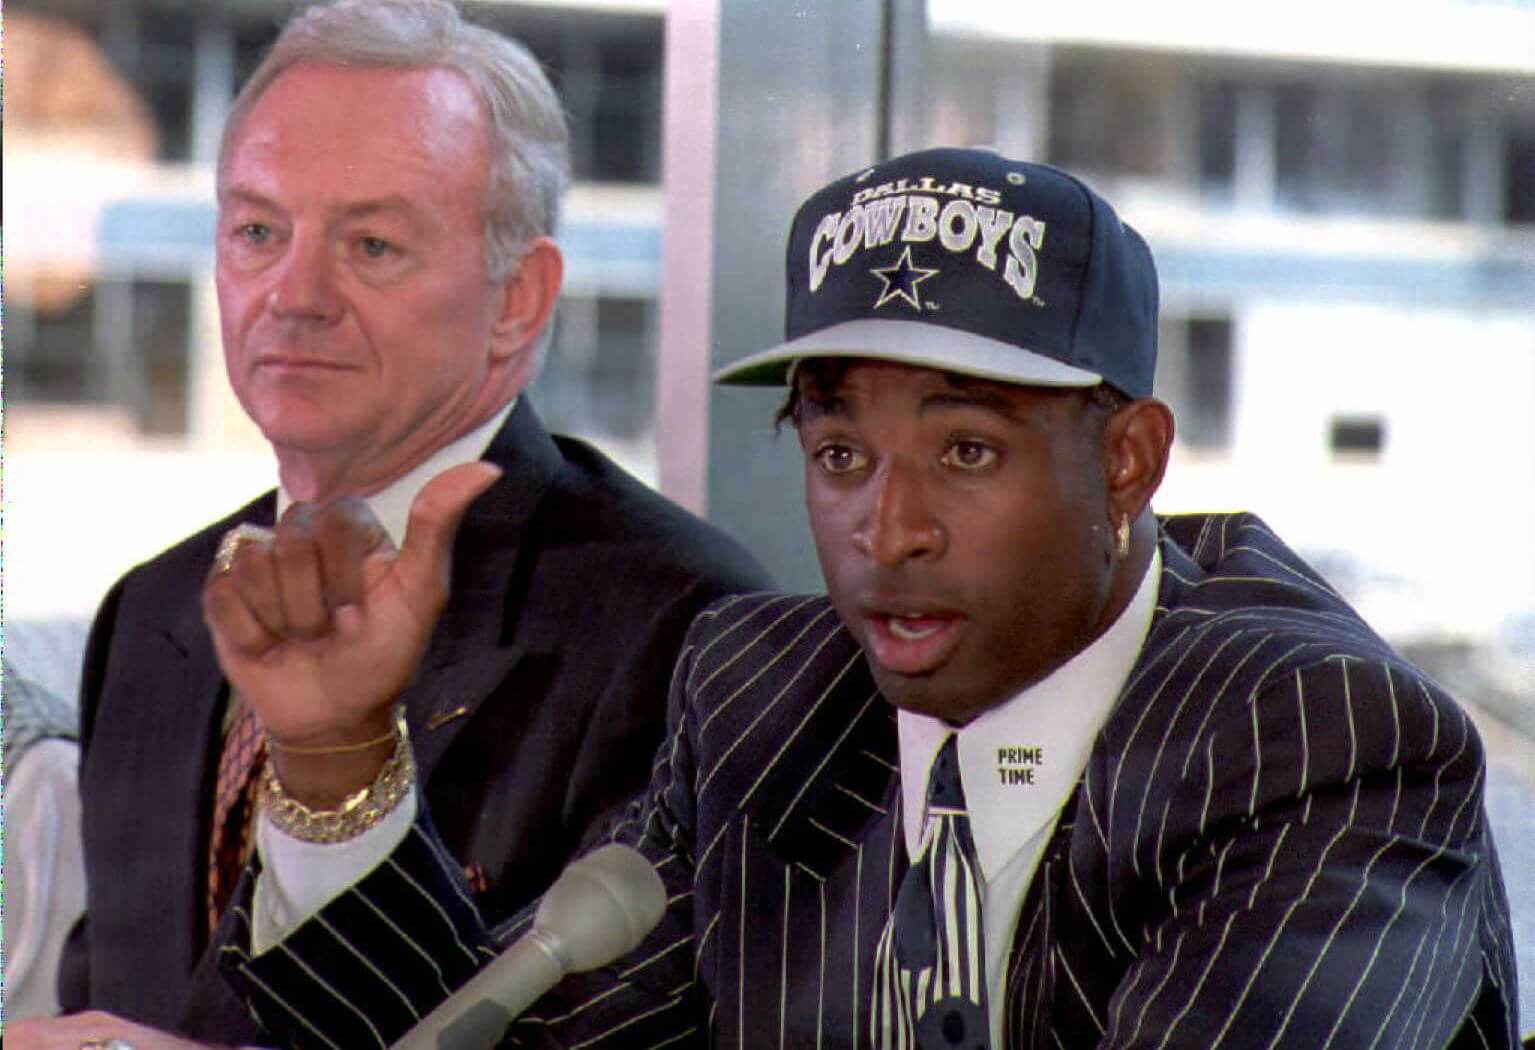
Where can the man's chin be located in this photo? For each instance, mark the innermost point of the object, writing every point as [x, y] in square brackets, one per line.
[922, 694]
[938, 694]
[302, 432]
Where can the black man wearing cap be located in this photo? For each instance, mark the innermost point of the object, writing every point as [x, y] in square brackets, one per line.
[1042, 769]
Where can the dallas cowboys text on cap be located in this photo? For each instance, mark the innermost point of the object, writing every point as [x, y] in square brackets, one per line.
[967, 261]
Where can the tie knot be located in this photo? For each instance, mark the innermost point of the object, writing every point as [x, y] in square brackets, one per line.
[943, 784]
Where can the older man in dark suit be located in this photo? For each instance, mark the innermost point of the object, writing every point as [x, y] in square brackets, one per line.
[388, 189]
[1042, 770]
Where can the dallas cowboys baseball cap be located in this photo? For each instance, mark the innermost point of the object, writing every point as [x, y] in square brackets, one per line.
[966, 261]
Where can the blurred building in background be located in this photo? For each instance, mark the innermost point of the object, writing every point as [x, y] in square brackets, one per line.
[1340, 195]
[1344, 218]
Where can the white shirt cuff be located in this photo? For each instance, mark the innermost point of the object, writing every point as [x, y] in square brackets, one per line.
[299, 878]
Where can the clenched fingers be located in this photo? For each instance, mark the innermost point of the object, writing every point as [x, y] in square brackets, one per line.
[347, 535]
[269, 586]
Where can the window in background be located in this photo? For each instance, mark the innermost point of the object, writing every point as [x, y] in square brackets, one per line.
[122, 345]
[160, 345]
[1361, 152]
[1375, 147]
[607, 69]
[1445, 151]
[1217, 138]
[1112, 117]
[164, 67]
[252, 36]
[1296, 139]
[48, 352]
[1519, 175]
[599, 376]
[625, 129]
[1357, 437]
[151, 46]
[1194, 377]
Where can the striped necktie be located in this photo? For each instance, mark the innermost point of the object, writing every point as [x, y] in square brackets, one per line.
[930, 967]
[233, 805]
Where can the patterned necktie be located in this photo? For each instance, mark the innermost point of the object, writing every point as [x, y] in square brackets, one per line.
[233, 802]
[930, 967]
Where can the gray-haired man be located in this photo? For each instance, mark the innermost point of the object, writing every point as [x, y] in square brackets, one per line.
[388, 192]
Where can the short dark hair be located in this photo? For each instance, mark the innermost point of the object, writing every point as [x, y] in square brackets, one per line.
[823, 372]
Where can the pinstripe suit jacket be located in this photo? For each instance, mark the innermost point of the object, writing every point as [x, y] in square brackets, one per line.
[1278, 841]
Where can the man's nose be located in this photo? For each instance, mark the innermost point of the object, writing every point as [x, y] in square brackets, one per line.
[899, 525]
[305, 285]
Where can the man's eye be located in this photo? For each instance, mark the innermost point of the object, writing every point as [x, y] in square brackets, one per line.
[254, 232]
[970, 455]
[375, 247]
[839, 459]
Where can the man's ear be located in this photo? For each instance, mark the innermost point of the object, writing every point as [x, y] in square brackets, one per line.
[1136, 442]
[528, 296]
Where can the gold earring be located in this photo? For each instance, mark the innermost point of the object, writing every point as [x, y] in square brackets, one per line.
[1122, 534]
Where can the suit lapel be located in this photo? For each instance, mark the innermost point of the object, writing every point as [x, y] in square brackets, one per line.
[847, 742]
[180, 726]
[480, 639]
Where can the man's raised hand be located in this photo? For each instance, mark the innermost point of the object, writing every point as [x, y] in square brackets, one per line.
[320, 626]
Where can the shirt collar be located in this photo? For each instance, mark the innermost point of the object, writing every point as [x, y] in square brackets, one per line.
[391, 504]
[1020, 760]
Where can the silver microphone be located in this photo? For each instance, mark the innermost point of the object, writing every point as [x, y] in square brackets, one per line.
[600, 907]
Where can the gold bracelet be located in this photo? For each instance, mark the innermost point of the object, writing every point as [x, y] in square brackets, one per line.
[338, 749]
[358, 812]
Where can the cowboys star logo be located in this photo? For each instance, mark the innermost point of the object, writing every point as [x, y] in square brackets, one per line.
[901, 280]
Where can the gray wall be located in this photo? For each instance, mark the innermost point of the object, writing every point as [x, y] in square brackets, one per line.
[801, 98]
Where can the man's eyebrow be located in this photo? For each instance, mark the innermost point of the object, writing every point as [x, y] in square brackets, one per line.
[968, 396]
[243, 195]
[395, 203]
[815, 404]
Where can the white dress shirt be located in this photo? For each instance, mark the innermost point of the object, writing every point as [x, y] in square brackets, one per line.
[299, 878]
[1018, 763]
[44, 873]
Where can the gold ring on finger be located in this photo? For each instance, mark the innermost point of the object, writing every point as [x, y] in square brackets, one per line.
[224, 560]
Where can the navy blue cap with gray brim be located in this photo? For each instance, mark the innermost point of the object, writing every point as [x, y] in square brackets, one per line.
[965, 261]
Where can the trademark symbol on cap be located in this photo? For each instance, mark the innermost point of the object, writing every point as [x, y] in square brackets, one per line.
[1016, 178]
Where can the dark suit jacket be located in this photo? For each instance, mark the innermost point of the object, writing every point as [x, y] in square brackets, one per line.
[535, 712]
[1278, 841]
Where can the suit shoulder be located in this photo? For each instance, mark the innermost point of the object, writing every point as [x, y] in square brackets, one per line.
[1230, 659]
[600, 505]
[1248, 644]
[160, 597]
[190, 558]
[177, 572]
[765, 637]
[1230, 586]
[1243, 710]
